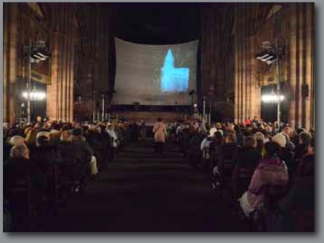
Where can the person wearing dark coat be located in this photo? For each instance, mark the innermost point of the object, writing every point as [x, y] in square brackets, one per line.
[79, 148]
[20, 166]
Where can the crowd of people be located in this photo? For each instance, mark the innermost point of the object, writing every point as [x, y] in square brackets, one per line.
[54, 160]
[268, 170]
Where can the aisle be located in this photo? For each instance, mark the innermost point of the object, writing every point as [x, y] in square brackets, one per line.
[142, 192]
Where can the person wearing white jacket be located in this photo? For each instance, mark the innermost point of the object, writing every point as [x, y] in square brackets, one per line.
[111, 131]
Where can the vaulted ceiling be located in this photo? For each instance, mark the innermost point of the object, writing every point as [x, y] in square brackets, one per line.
[158, 23]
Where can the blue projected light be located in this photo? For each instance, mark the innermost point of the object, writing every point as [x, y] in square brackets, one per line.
[173, 79]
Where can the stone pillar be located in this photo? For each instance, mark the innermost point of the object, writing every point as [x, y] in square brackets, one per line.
[294, 95]
[71, 76]
[240, 64]
[12, 61]
[52, 89]
[254, 89]
[301, 65]
[310, 105]
[236, 71]
[65, 50]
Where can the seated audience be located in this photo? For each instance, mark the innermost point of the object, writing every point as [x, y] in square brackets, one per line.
[271, 171]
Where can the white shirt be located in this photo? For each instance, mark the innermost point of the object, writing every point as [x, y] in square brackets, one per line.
[113, 134]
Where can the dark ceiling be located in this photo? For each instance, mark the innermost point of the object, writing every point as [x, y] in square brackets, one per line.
[158, 23]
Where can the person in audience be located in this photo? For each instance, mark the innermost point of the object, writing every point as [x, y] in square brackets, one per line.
[143, 130]
[20, 166]
[245, 162]
[271, 170]
[205, 147]
[285, 153]
[16, 140]
[247, 121]
[212, 130]
[45, 153]
[42, 134]
[295, 212]
[260, 138]
[15, 130]
[79, 148]
[160, 133]
[248, 156]
[112, 133]
[303, 144]
[217, 148]
[289, 134]
[31, 136]
[55, 134]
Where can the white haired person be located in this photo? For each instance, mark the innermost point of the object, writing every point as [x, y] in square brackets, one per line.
[284, 153]
[110, 129]
[20, 166]
[16, 140]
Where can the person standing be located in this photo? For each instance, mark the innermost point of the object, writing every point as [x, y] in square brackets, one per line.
[143, 130]
[160, 133]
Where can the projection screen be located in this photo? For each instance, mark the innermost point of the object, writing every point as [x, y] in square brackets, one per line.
[155, 74]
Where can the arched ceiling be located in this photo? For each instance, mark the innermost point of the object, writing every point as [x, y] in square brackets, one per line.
[158, 23]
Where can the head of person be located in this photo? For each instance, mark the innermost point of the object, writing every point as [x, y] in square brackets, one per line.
[159, 119]
[42, 141]
[280, 139]
[16, 140]
[288, 130]
[77, 131]
[42, 134]
[218, 137]
[250, 142]
[230, 138]
[110, 126]
[259, 136]
[305, 138]
[19, 152]
[271, 149]
[66, 136]
[311, 146]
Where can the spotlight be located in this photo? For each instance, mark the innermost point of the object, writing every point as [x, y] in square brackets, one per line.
[266, 56]
[272, 98]
[34, 95]
[262, 55]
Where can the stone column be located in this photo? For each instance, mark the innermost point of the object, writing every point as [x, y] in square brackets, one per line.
[310, 105]
[71, 77]
[254, 89]
[301, 65]
[292, 65]
[12, 61]
[52, 89]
